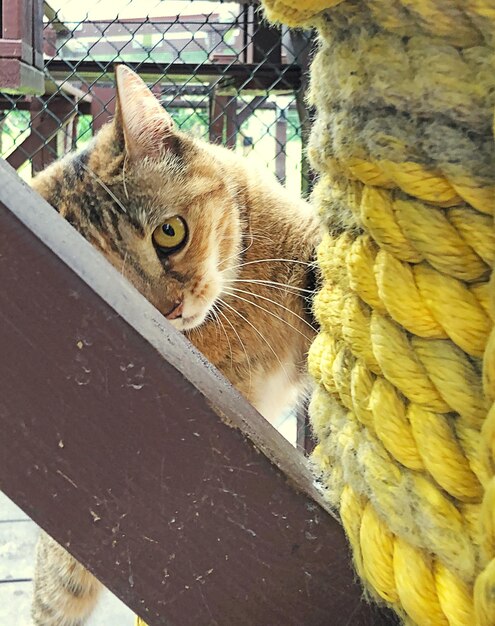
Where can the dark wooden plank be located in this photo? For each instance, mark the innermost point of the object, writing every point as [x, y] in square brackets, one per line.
[132, 451]
[265, 40]
[27, 27]
[50, 119]
[231, 125]
[249, 76]
[20, 20]
[102, 105]
[54, 20]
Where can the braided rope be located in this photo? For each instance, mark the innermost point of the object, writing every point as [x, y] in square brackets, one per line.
[405, 360]
[294, 12]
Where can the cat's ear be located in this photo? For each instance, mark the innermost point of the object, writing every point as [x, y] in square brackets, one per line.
[147, 128]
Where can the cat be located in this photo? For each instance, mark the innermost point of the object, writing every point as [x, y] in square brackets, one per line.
[218, 246]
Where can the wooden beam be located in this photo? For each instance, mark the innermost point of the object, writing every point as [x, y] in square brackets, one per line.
[280, 145]
[53, 87]
[304, 439]
[54, 20]
[37, 34]
[102, 105]
[21, 40]
[231, 123]
[217, 120]
[252, 77]
[303, 46]
[134, 453]
[265, 40]
[47, 120]
[20, 78]
[258, 102]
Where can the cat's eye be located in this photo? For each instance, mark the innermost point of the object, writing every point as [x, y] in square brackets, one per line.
[171, 235]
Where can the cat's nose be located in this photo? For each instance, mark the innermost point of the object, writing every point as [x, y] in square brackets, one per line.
[176, 310]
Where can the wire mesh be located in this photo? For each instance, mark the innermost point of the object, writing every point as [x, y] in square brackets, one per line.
[217, 67]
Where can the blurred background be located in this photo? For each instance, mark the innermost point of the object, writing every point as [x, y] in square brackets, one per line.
[219, 69]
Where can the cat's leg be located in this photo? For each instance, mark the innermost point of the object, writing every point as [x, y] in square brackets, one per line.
[65, 593]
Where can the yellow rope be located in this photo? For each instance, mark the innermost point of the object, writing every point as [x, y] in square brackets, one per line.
[404, 410]
[294, 12]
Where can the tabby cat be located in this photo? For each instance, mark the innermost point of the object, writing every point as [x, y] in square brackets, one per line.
[218, 246]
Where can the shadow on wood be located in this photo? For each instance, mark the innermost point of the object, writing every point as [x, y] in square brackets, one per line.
[140, 458]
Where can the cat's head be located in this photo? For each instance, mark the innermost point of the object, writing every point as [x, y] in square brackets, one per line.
[161, 205]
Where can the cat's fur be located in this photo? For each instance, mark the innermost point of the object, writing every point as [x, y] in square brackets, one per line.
[243, 226]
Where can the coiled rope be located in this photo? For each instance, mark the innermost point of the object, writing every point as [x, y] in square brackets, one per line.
[404, 410]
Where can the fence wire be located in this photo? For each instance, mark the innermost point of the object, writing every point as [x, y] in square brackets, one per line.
[217, 67]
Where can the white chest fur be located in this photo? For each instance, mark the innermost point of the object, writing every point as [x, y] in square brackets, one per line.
[276, 392]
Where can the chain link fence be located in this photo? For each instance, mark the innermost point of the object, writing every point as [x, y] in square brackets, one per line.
[217, 67]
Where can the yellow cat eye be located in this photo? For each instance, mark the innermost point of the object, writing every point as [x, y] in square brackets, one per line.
[171, 235]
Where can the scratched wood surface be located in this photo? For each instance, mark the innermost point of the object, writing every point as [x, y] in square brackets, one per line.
[18, 535]
[133, 452]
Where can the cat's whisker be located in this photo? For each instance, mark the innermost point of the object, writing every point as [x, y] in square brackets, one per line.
[234, 310]
[215, 312]
[262, 308]
[272, 260]
[255, 295]
[105, 187]
[213, 318]
[224, 315]
[271, 283]
[256, 237]
[238, 254]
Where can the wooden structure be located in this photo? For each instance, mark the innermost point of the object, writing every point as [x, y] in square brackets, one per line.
[134, 453]
[53, 122]
[21, 46]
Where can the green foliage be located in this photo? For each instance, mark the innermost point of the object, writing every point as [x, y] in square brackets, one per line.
[84, 129]
[192, 121]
